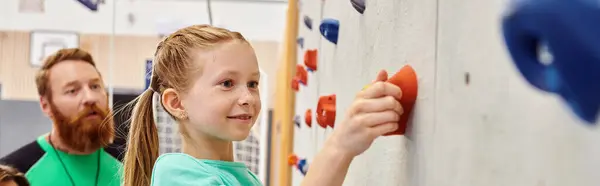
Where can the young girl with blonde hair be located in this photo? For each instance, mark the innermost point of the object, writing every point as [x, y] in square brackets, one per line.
[207, 79]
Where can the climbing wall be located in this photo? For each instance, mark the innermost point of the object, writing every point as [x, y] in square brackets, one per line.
[308, 140]
[476, 121]
[388, 36]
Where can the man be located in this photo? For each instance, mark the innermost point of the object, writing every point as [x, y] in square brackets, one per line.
[75, 152]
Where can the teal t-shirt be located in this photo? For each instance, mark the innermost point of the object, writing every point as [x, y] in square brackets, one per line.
[178, 169]
[49, 170]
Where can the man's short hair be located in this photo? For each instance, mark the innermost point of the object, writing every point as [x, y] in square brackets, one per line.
[43, 75]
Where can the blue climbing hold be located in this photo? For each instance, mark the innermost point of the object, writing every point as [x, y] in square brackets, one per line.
[329, 29]
[570, 30]
[359, 5]
[297, 121]
[302, 166]
[90, 4]
[300, 42]
[308, 22]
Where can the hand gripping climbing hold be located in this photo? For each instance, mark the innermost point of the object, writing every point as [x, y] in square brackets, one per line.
[308, 118]
[326, 111]
[329, 29]
[301, 74]
[310, 60]
[570, 32]
[359, 5]
[406, 79]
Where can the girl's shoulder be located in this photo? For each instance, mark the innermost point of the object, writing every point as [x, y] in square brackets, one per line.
[178, 158]
[182, 169]
[180, 161]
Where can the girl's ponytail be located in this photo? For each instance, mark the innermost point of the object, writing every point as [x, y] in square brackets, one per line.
[142, 144]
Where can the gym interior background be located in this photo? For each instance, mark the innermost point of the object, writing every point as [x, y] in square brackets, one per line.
[476, 120]
[122, 36]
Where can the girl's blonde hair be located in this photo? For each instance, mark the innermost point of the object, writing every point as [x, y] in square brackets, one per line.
[173, 67]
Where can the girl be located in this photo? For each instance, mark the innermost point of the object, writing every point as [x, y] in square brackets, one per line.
[207, 79]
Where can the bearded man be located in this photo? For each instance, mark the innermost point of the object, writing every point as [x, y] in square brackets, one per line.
[75, 152]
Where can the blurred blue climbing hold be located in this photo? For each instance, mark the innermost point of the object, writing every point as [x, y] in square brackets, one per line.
[359, 5]
[570, 30]
[90, 4]
[329, 29]
[300, 42]
[302, 166]
[308, 22]
[297, 121]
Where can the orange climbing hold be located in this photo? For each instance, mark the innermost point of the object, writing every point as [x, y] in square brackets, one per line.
[292, 159]
[326, 111]
[295, 82]
[310, 59]
[308, 117]
[406, 79]
[301, 74]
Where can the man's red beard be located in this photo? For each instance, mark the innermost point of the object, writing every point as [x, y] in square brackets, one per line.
[84, 134]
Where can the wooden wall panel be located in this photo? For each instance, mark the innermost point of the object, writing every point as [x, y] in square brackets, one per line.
[2, 37]
[18, 75]
[283, 135]
[130, 54]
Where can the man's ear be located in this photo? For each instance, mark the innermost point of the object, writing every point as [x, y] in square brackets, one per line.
[45, 105]
[171, 101]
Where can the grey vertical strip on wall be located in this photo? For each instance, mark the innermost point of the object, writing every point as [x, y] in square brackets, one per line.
[21, 122]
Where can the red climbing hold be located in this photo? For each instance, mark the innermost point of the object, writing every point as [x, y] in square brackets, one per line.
[326, 111]
[310, 59]
[295, 83]
[406, 79]
[301, 74]
[308, 117]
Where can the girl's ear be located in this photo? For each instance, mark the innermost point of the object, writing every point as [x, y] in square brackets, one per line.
[171, 100]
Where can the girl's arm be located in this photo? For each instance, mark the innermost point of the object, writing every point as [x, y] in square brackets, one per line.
[374, 112]
[328, 168]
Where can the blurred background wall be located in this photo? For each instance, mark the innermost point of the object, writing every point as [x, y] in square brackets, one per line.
[126, 33]
[122, 36]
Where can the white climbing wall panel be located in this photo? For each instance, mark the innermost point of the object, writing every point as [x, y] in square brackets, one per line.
[308, 140]
[498, 130]
[476, 121]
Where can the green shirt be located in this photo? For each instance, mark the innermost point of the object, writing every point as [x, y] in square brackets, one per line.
[178, 169]
[42, 166]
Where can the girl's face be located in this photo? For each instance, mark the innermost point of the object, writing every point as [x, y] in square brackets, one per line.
[224, 100]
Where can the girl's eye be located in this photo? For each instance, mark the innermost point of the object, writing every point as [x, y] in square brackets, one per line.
[253, 84]
[227, 83]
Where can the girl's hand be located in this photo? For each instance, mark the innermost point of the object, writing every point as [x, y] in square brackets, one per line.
[374, 112]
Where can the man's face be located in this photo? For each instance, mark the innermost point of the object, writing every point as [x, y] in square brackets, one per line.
[78, 105]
